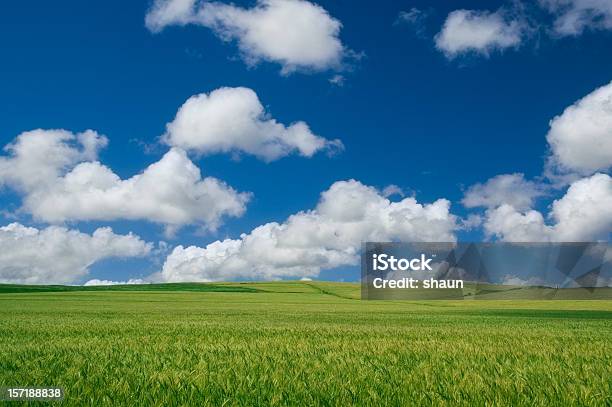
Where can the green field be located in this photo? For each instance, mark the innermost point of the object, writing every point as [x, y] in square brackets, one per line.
[301, 344]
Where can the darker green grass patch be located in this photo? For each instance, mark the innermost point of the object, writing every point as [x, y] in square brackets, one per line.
[543, 314]
[200, 287]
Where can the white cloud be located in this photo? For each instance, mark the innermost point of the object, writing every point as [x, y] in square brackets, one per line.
[508, 224]
[581, 137]
[56, 255]
[49, 169]
[169, 12]
[391, 190]
[511, 189]
[481, 32]
[96, 282]
[234, 120]
[514, 280]
[38, 157]
[329, 236]
[297, 34]
[472, 221]
[584, 213]
[572, 17]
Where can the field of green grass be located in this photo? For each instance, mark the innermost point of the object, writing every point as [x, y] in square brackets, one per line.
[295, 343]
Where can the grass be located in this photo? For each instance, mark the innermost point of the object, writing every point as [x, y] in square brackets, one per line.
[17, 288]
[308, 343]
[483, 291]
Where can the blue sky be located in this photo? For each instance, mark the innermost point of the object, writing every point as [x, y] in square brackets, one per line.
[406, 113]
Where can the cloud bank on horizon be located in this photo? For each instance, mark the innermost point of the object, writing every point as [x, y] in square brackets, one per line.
[60, 179]
[329, 236]
[59, 255]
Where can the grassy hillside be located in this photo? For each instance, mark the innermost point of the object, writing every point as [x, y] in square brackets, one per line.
[303, 343]
[478, 291]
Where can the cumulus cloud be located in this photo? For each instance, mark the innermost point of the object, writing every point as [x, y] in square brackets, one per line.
[480, 32]
[56, 255]
[584, 213]
[36, 158]
[511, 189]
[55, 172]
[164, 13]
[572, 17]
[96, 282]
[296, 34]
[329, 236]
[234, 120]
[511, 225]
[580, 138]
